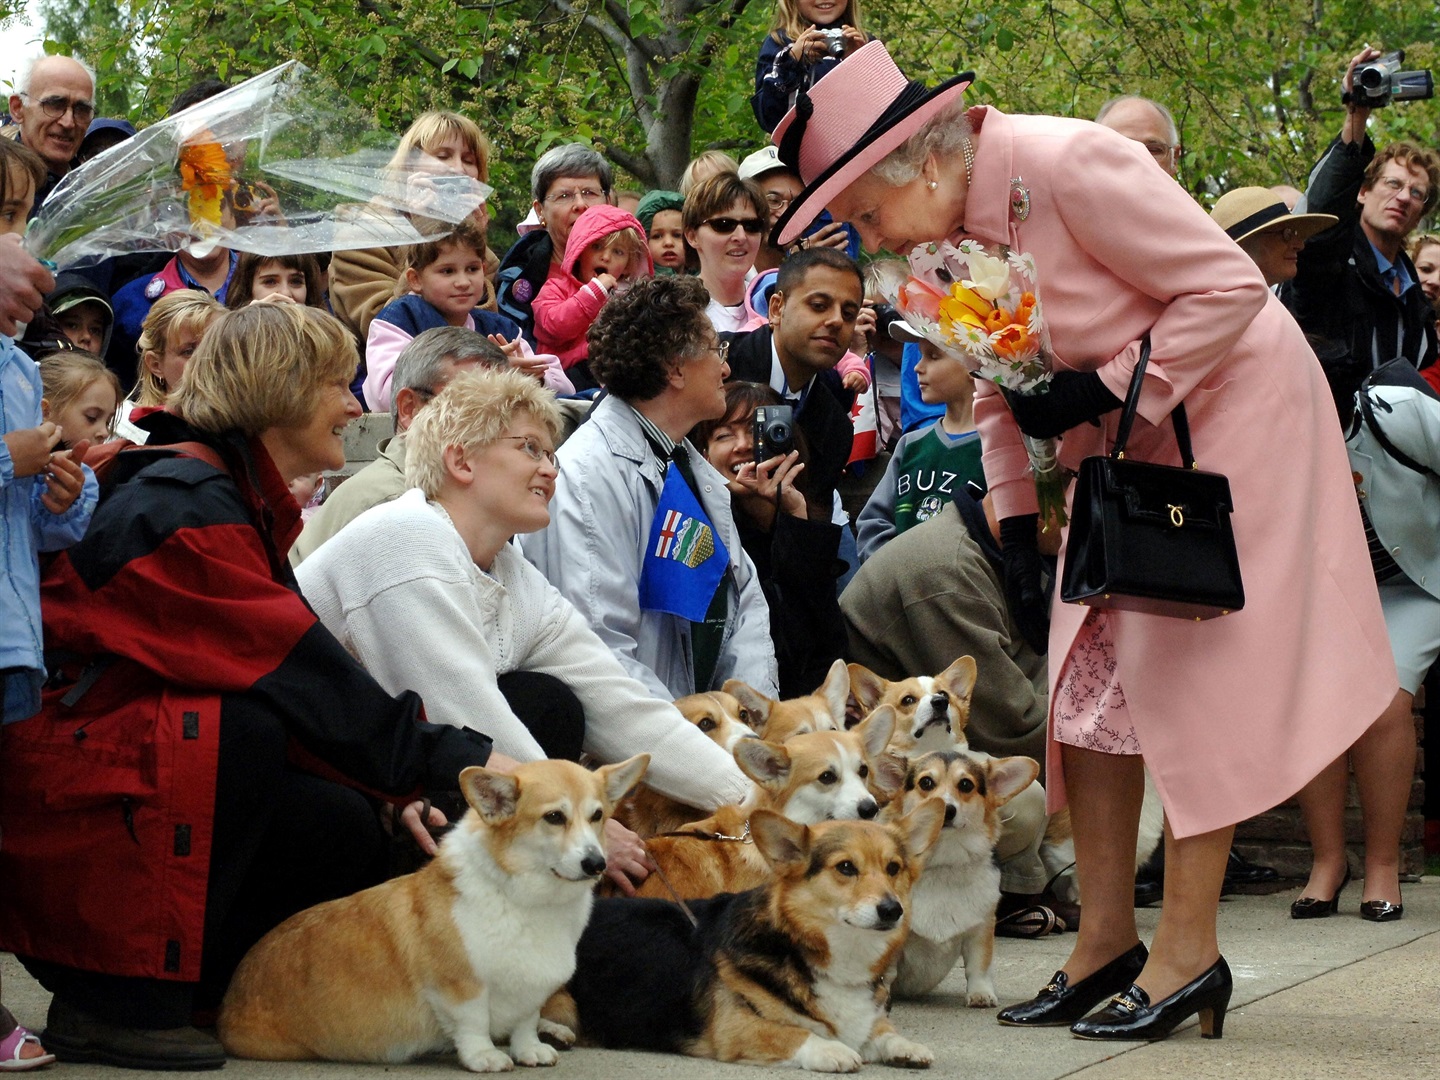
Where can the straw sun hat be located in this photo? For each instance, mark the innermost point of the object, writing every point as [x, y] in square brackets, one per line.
[1248, 211]
[847, 123]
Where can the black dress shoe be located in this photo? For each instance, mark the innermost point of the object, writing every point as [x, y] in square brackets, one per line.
[1131, 1016]
[1381, 911]
[1309, 907]
[1061, 1003]
[1240, 871]
[72, 1035]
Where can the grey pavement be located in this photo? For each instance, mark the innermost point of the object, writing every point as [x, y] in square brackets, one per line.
[1337, 997]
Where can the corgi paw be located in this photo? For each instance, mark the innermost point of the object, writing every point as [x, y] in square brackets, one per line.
[557, 1035]
[982, 999]
[893, 1048]
[536, 1055]
[826, 1055]
[491, 1060]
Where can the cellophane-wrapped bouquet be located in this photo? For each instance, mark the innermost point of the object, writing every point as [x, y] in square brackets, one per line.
[981, 305]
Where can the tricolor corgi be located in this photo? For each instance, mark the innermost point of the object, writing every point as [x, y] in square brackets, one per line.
[953, 904]
[789, 973]
[462, 953]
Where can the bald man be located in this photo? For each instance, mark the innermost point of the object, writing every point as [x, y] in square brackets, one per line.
[1147, 122]
[53, 105]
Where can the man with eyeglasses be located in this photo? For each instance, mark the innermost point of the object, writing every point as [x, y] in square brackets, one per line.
[51, 109]
[422, 370]
[1147, 122]
[1355, 284]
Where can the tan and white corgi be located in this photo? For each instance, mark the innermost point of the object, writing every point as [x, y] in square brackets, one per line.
[461, 953]
[953, 904]
[818, 776]
[789, 973]
[645, 811]
[777, 721]
[931, 711]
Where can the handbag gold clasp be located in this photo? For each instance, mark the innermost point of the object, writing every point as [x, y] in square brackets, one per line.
[1177, 515]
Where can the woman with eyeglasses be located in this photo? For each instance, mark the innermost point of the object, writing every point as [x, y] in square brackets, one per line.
[430, 594]
[1258, 220]
[565, 182]
[725, 218]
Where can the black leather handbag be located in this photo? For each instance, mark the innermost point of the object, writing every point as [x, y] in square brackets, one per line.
[1151, 538]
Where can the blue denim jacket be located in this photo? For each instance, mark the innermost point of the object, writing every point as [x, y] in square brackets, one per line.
[26, 529]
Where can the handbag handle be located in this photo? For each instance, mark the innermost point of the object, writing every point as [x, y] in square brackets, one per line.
[1132, 403]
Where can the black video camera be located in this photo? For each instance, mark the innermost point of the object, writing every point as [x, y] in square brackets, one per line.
[1381, 81]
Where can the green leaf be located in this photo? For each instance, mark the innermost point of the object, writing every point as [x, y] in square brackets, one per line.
[468, 68]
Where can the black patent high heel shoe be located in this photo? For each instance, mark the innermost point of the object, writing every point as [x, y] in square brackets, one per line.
[1308, 907]
[1059, 1002]
[1131, 1016]
[1381, 911]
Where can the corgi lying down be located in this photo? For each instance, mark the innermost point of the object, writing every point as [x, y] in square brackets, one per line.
[461, 953]
[790, 973]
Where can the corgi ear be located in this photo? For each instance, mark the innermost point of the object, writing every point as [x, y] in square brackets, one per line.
[494, 796]
[889, 774]
[876, 731]
[918, 830]
[781, 841]
[751, 700]
[866, 686]
[618, 779]
[1010, 776]
[767, 763]
[959, 678]
[836, 691]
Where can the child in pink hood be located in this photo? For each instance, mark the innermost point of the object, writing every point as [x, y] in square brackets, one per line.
[607, 250]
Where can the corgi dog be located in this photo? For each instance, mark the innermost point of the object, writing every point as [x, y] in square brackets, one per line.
[953, 904]
[931, 711]
[789, 973]
[461, 953]
[645, 811]
[818, 776]
[824, 710]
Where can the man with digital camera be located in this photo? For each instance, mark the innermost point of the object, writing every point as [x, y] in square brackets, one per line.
[814, 307]
[1354, 283]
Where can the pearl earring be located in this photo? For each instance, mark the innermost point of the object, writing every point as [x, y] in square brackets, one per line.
[933, 185]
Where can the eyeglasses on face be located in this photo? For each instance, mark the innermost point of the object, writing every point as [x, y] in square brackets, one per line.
[533, 450]
[1159, 150]
[1289, 234]
[57, 105]
[727, 225]
[587, 196]
[720, 349]
[1393, 184]
[776, 201]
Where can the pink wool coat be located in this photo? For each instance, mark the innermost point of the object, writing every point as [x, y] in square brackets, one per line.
[1238, 713]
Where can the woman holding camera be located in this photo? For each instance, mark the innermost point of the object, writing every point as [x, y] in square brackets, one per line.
[790, 538]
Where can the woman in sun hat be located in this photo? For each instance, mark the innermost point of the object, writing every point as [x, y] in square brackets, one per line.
[1234, 714]
[1259, 221]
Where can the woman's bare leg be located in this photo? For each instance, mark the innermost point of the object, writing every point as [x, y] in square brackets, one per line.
[1384, 760]
[1322, 802]
[1105, 791]
[1185, 942]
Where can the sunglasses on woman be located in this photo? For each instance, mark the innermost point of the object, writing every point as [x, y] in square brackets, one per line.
[727, 225]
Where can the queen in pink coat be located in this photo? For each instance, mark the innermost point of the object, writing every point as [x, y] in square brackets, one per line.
[1232, 715]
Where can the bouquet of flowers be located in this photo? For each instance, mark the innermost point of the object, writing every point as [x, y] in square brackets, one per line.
[981, 306]
[281, 164]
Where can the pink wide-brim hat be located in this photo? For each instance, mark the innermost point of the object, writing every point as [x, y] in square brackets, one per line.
[846, 124]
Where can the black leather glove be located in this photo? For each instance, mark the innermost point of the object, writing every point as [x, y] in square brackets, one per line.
[1073, 398]
[1024, 579]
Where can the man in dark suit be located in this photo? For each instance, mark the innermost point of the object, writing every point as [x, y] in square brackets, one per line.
[813, 308]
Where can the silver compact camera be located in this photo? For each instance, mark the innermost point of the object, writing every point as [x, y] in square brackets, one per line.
[834, 41]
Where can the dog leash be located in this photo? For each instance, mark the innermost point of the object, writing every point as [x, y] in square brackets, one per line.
[743, 838]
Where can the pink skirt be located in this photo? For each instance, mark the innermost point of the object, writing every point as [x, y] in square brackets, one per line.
[1089, 709]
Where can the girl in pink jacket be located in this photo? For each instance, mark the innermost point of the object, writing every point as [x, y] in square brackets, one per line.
[607, 250]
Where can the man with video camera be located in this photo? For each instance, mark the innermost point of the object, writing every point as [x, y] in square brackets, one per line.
[1354, 282]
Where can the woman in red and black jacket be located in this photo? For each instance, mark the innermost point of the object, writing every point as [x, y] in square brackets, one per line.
[208, 759]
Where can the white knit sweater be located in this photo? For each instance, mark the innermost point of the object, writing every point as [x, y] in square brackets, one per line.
[398, 587]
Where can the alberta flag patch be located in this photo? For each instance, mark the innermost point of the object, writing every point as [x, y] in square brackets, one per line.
[684, 561]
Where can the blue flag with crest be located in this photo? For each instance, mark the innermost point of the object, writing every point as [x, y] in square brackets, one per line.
[684, 560]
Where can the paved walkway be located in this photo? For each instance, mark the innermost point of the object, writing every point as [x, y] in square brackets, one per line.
[1338, 997]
